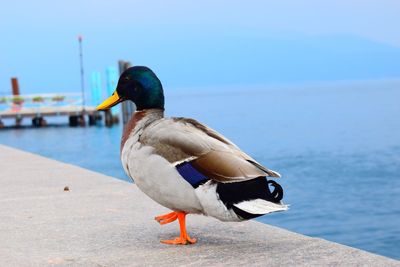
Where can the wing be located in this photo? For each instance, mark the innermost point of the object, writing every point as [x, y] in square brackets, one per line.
[186, 140]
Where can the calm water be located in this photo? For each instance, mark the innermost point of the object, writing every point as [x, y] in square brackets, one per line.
[337, 147]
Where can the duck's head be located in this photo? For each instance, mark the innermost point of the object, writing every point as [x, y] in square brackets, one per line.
[140, 85]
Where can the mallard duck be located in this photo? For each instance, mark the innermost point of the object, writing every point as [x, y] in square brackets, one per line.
[186, 166]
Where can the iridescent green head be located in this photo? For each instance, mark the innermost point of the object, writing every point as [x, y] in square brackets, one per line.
[140, 85]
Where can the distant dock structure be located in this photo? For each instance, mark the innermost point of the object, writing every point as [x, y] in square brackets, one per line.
[80, 112]
[40, 106]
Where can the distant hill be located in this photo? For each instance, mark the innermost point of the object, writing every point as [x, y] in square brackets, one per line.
[201, 59]
[276, 59]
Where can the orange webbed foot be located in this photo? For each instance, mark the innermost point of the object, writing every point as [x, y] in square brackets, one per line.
[184, 238]
[167, 218]
[180, 241]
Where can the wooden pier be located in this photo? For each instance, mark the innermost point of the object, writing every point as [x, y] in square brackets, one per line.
[75, 114]
[37, 108]
[47, 112]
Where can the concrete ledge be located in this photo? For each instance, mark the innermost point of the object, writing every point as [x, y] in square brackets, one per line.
[103, 221]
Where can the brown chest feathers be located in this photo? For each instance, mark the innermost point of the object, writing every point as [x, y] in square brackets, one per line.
[145, 117]
[128, 128]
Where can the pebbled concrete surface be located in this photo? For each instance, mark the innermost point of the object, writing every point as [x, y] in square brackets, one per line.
[103, 221]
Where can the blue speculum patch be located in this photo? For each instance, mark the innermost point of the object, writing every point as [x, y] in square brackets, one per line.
[190, 174]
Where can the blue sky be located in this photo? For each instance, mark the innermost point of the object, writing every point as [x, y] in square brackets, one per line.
[199, 44]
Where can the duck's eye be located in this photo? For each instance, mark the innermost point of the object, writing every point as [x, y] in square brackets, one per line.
[127, 78]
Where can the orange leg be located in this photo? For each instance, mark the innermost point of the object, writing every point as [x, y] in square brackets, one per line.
[183, 238]
[167, 218]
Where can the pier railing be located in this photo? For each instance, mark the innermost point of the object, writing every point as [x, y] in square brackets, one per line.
[38, 106]
[15, 103]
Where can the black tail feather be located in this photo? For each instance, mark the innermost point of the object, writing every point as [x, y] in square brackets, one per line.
[233, 193]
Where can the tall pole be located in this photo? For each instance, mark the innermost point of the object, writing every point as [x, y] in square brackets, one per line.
[127, 107]
[82, 73]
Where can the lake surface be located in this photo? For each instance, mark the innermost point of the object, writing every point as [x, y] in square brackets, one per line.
[337, 147]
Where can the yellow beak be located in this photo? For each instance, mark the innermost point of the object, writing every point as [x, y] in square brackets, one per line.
[110, 102]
